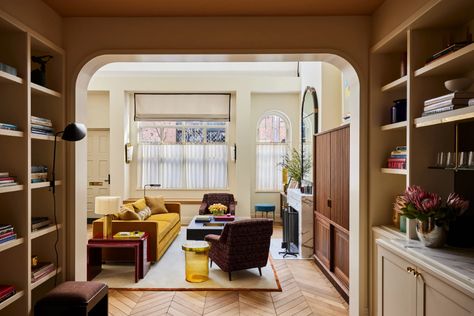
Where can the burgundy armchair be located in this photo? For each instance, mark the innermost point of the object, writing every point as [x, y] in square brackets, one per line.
[212, 198]
[243, 244]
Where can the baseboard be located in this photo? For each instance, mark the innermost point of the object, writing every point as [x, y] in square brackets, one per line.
[340, 287]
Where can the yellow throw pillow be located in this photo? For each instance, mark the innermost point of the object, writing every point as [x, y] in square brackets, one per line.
[139, 205]
[128, 215]
[145, 213]
[128, 206]
[156, 204]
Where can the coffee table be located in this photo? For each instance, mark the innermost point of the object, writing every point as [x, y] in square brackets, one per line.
[197, 231]
[94, 254]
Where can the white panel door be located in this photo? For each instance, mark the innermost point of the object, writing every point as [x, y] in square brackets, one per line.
[97, 166]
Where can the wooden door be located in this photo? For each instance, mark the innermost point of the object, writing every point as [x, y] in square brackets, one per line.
[341, 255]
[97, 167]
[339, 194]
[322, 240]
[322, 173]
[396, 290]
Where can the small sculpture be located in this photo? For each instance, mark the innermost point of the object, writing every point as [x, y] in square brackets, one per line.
[38, 75]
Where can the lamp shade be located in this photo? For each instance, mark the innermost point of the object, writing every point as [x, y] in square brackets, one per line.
[106, 205]
[74, 132]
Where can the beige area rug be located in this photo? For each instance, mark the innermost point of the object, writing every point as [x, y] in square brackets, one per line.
[168, 275]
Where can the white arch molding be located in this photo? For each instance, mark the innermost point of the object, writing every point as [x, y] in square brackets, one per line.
[77, 177]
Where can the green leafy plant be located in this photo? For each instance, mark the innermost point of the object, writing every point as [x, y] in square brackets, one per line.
[297, 166]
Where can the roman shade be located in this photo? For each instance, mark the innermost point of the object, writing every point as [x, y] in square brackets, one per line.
[182, 107]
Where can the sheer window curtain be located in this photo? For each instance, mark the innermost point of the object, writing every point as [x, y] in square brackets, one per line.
[184, 166]
[269, 176]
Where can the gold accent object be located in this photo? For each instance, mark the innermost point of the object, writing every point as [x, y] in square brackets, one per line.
[197, 260]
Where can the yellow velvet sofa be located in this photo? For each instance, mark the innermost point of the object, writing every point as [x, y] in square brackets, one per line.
[162, 229]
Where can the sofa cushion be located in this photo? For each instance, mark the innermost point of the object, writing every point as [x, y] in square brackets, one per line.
[128, 215]
[139, 205]
[144, 213]
[156, 204]
[171, 218]
[163, 229]
[128, 206]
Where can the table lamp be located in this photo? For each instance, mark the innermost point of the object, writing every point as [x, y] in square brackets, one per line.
[107, 205]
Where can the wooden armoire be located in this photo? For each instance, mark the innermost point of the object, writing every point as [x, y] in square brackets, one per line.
[331, 206]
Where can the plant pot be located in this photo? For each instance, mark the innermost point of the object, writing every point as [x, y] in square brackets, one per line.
[430, 234]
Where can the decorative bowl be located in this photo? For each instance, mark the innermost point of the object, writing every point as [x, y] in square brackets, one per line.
[459, 84]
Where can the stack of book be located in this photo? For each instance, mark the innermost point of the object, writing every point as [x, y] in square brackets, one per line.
[398, 158]
[9, 69]
[447, 102]
[38, 222]
[202, 218]
[6, 291]
[7, 233]
[39, 174]
[41, 126]
[10, 127]
[6, 180]
[41, 270]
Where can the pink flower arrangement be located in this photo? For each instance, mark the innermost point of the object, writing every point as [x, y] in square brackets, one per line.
[422, 205]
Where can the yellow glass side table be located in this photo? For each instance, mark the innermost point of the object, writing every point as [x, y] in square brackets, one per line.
[197, 260]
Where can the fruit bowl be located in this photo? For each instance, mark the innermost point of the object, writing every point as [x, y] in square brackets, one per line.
[459, 84]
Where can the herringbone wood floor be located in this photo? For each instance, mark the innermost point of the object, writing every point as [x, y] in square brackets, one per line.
[305, 292]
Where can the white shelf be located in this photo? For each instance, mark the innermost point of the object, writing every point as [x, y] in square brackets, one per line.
[45, 231]
[42, 137]
[40, 90]
[12, 299]
[452, 64]
[396, 84]
[5, 77]
[45, 184]
[11, 244]
[50, 275]
[394, 126]
[394, 171]
[462, 114]
[11, 188]
[7, 132]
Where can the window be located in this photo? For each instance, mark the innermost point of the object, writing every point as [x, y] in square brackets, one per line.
[272, 145]
[183, 155]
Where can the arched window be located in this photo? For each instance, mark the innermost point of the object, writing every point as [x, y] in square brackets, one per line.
[273, 135]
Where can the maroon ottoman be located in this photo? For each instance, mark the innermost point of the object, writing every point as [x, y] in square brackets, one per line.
[75, 299]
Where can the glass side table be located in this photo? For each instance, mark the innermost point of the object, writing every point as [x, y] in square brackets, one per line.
[197, 260]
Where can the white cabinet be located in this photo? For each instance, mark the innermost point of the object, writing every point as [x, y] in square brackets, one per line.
[405, 287]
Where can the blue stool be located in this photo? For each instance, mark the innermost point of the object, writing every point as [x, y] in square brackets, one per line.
[265, 208]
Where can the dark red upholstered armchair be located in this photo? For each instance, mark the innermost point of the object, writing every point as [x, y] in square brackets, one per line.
[212, 198]
[243, 244]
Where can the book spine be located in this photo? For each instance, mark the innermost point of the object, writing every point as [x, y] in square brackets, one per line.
[8, 295]
[6, 234]
[454, 103]
[11, 237]
[35, 169]
[440, 110]
[40, 225]
[6, 230]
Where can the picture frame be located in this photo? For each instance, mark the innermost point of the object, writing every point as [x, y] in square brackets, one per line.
[128, 152]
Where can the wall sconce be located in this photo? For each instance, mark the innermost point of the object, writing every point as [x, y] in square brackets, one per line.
[151, 185]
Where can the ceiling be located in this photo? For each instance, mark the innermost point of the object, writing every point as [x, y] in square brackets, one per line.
[194, 8]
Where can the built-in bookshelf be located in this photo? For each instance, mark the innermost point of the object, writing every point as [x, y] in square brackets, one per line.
[420, 36]
[22, 149]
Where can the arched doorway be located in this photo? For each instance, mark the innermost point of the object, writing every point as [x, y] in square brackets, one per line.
[358, 148]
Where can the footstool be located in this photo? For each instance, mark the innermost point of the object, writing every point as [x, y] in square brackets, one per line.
[261, 207]
[75, 299]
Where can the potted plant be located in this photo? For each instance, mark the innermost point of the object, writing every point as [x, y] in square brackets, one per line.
[297, 166]
[217, 209]
[432, 217]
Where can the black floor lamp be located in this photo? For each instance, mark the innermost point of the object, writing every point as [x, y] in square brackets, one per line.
[72, 133]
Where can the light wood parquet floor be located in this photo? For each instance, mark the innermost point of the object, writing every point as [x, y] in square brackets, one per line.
[306, 291]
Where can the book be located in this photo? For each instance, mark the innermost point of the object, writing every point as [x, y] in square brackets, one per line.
[129, 235]
[6, 229]
[41, 121]
[6, 234]
[8, 126]
[39, 175]
[224, 218]
[450, 96]
[39, 180]
[41, 128]
[203, 218]
[40, 270]
[8, 238]
[6, 291]
[4, 174]
[440, 110]
[39, 222]
[450, 49]
[7, 181]
[8, 184]
[455, 105]
[35, 169]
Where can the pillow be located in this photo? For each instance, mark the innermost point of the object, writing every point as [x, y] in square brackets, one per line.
[128, 206]
[156, 204]
[139, 205]
[128, 215]
[144, 214]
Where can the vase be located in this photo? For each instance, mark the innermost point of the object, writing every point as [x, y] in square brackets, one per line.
[430, 234]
